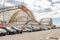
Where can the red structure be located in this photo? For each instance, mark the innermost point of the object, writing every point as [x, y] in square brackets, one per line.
[1, 25]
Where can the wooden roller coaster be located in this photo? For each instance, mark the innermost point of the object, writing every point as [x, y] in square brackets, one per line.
[21, 9]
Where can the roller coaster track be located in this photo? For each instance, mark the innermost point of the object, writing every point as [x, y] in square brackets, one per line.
[23, 8]
[8, 9]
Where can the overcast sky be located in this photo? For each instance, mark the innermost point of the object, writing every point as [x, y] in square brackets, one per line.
[39, 8]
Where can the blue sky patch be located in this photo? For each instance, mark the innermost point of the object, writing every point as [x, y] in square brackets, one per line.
[56, 20]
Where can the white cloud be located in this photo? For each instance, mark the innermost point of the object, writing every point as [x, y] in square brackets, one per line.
[54, 14]
[0, 0]
[55, 0]
[9, 4]
[43, 4]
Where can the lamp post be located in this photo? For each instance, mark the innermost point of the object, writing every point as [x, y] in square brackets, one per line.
[3, 12]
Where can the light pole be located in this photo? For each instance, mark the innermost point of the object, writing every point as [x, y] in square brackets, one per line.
[3, 12]
[22, 2]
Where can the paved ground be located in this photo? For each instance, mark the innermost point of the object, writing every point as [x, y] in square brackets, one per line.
[41, 35]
